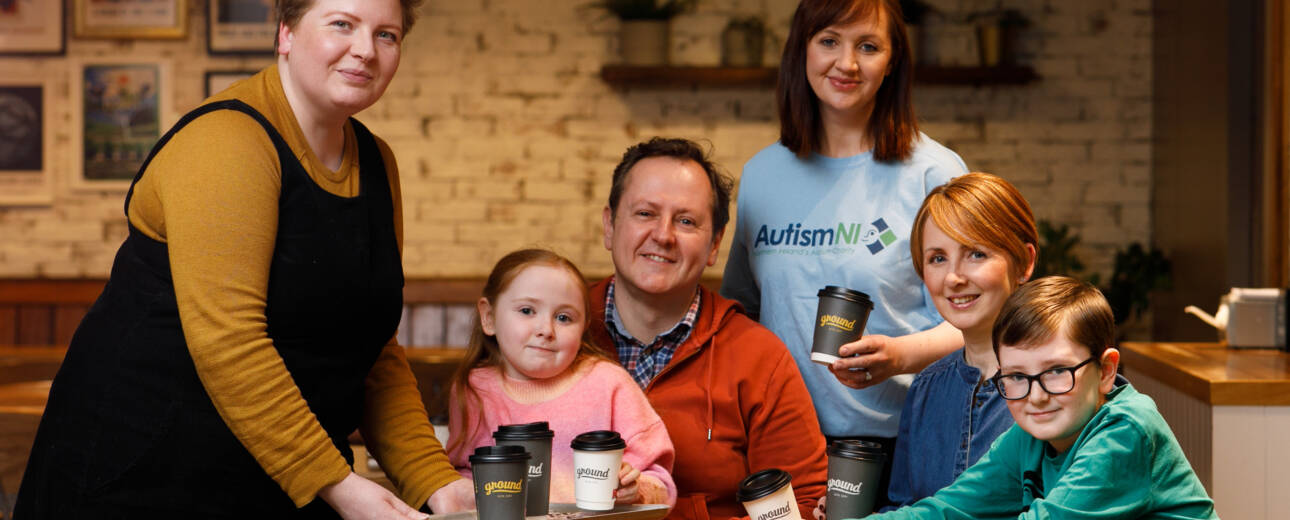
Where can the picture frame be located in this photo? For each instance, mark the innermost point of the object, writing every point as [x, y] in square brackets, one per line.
[26, 141]
[217, 80]
[32, 27]
[120, 108]
[240, 27]
[132, 19]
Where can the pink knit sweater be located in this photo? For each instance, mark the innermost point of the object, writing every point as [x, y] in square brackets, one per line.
[601, 396]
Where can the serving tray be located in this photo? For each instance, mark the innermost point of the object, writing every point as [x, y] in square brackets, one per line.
[571, 512]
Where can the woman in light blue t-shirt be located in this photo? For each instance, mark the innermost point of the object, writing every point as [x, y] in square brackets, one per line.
[833, 203]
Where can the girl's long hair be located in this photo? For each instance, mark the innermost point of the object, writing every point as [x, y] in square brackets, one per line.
[483, 350]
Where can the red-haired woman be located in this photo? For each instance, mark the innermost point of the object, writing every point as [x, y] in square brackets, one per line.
[833, 202]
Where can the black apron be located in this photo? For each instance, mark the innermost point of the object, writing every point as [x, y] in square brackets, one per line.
[129, 429]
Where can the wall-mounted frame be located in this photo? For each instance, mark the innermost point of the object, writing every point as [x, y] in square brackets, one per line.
[240, 27]
[138, 19]
[26, 141]
[32, 27]
[120, 108]
[217, 80]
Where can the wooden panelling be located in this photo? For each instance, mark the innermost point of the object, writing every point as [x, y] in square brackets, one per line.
[8, 324]
[66, 319]
[35, 324]
[81, 291]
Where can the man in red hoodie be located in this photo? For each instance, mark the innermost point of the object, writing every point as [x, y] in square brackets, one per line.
[726, 387]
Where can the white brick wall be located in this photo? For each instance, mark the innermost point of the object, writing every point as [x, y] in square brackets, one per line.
[506, 136]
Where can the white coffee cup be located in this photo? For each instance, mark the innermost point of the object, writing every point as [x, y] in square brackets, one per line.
[597, 456]
[768, 495]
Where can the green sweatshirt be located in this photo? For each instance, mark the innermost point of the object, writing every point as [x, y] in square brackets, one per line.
[1126, 464]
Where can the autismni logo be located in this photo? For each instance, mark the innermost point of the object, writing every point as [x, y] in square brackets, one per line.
[837, 322]
[535, 471]
[594, 474]
[850, 488]
[875, 236]
[503, 486]
[878, 236]
[779, 512]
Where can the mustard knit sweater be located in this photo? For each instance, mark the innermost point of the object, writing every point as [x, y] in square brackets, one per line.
[211, 194]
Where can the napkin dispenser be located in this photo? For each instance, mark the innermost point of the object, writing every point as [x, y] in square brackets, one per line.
[1249, 318]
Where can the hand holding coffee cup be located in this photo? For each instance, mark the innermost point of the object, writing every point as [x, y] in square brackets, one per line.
[628, 491]
[597, 460]
[868, 361]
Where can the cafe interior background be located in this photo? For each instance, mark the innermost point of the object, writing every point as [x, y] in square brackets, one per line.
[1151, 131]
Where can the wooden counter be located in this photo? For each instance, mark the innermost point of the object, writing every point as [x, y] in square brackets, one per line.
[1230, 411]
[1214, 373]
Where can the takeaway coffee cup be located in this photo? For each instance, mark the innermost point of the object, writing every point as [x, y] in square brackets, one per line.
[768, 495]
[596, 458]
[535, 438]
[499, 481]
[839, 319]
[855, 468]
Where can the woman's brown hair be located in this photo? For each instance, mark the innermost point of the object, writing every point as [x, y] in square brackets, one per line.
[484, 351]
[892, 126]
[979, 208]
[289, 13]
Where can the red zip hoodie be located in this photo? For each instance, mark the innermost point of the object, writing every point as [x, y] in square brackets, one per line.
[734, 403]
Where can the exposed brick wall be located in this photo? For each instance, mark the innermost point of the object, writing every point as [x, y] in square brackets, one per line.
[506, 136]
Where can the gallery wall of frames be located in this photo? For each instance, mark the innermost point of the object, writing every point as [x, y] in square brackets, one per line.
[84, 121]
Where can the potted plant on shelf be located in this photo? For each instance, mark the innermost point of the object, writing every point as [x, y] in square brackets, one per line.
[915, 13]
[742, 42]
[645, 31]
[997, 33]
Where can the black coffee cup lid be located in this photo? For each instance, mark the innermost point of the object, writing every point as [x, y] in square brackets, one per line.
[846, 294]
[484, 454]
[524, 432]
[598, 440]
[859, 450]
[762, 484]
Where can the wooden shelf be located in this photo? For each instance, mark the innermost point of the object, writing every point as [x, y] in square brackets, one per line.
[665, 76]
[630, 75]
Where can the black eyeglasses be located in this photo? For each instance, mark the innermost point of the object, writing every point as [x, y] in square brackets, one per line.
[1054, 381]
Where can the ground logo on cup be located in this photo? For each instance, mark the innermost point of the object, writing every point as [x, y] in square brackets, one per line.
[535, 471]
[837, 322]
[850, 488]
[774, 514]
[596, 474]
[503, 486]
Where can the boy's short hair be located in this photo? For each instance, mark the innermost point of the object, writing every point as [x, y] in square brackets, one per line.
[1040, 308]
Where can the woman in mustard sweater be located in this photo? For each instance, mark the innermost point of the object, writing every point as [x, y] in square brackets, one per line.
[247, 326]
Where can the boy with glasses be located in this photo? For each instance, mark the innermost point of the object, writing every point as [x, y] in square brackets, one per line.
[1083, 446]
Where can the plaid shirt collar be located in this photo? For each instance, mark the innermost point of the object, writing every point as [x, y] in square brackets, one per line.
[645, 361]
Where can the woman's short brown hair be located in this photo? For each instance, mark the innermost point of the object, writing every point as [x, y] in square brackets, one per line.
[979, 208]
[891, 126]
[289, 12]
[1055, 304]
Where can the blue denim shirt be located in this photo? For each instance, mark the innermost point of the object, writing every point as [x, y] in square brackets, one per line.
[949, 421]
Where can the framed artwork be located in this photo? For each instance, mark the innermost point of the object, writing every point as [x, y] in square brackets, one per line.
[32, 27]
[217, 80]
[139, 19]
[26, 141]
[241, 27]
[120, 109]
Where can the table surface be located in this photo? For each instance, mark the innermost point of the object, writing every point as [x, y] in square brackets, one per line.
[571, 512]
[1213, 372]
